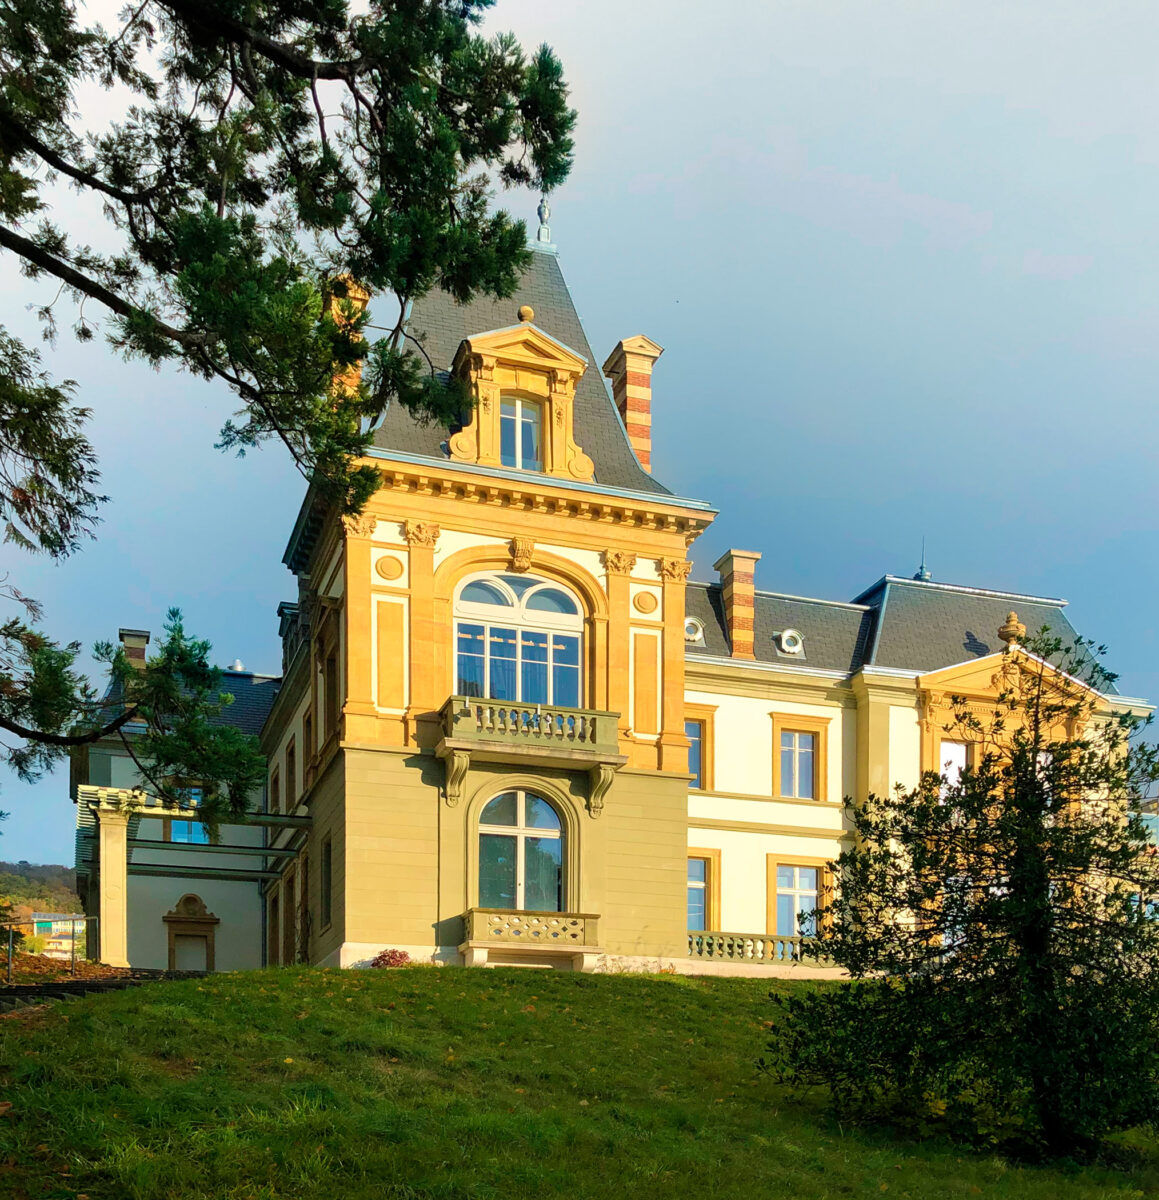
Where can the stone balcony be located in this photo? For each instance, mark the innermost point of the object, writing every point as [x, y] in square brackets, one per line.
[746, 948]
[550, 939]
[498, 731]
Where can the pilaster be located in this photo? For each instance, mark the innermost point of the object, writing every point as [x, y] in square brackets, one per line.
[113, 852]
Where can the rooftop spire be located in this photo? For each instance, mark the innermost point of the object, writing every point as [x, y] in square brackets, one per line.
[922, 574]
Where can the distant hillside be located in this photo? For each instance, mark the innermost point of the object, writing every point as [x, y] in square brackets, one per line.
[44, 887]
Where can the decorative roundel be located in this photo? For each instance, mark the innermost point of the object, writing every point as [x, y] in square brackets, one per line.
[693, 630]
[646, 602]
[791, 642]
[388, 567]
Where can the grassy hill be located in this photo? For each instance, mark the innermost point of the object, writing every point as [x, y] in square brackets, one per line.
[449, 1084]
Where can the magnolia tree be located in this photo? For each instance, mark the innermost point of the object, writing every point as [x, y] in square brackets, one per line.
[999, 927]
[259, 158]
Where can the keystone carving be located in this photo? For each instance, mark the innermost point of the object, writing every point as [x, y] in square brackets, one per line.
[674, 570]
[522, 549]
[421, 533]
[619, 562]
[361, 526]
[457, 764]
[600, 778]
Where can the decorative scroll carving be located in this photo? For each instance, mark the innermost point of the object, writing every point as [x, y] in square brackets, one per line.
[457, 764]
[421, 533]
[361, 526]
[600, 777]
[522, 549]
[619, 562]
[932, 704]
[674, 570]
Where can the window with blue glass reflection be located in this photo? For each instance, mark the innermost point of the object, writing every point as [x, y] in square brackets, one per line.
[518, 638]
[694, 732]
[796, 900]
[697, 895]
[520, 854]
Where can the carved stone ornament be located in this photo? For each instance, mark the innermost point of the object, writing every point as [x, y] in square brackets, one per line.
[421, 533]
[674, 570]
[645, 602]
[522, 548]
[361, 526]
[619, 562]
[932, 703]
[600, 779]
[458, 762]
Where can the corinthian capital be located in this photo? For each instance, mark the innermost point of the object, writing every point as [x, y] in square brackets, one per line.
[421, 533]
[619, 562]
[361, 526]
[674, 570]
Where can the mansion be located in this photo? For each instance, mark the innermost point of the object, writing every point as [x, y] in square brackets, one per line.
[510, 729]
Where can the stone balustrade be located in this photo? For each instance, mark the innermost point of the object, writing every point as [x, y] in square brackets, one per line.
[503, 723]
[747, 948]
[502, 927]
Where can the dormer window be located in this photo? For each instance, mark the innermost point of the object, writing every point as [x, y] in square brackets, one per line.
[521, 433]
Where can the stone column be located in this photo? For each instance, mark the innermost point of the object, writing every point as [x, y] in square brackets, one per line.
[673, 742]
[358, 706]
[619, 565]
[113, 857]
[425, 699]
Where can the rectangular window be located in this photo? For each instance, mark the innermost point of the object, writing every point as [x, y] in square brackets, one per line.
[330, 675]
[796, 898]
[697, 894]
[497, 864]
[521, 434]
[327, 882]
[521, 665]
[703, 890]
[308, 746]
[694, 731]
[275, 804]
[955, 758]
[189, 832]
[798, 751]
[291, 776]
[472, 660]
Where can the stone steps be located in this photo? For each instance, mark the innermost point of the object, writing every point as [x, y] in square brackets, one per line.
[22, 995]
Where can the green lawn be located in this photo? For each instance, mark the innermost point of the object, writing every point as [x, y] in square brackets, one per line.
[449, 1084]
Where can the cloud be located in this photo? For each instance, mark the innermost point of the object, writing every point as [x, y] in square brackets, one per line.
[1055, 266]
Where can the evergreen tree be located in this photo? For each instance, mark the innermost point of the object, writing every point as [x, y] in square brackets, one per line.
[265, 154]
[1000, 928]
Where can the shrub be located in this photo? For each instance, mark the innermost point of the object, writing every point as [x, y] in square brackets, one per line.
[391, 958]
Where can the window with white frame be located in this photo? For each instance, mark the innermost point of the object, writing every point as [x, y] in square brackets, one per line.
[520, 854]
[521, 433]
[518, 638]
[796, 899]
[797, 762]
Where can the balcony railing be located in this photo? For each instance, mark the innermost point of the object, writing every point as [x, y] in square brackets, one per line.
[503, 928]
[749, 948]
[502, 723]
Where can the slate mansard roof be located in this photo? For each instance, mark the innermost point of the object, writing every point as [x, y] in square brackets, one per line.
[442, 324]
[897, 624]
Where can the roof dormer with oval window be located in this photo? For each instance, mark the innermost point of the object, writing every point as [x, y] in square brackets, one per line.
[522, 382]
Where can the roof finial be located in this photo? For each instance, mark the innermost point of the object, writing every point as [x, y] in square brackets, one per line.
[1012, 630]
[922, 573]
[544, 211]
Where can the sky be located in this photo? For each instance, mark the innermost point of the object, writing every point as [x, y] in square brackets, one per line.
[904, 263]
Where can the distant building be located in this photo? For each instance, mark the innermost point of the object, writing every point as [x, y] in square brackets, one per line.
[509, 729]
[62, 931]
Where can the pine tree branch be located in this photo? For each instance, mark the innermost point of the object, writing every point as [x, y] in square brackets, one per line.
[67, 739]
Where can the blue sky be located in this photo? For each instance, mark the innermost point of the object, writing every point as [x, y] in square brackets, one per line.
[904, 263]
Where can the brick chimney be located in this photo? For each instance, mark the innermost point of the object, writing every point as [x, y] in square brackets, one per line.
[629, 367]
[134, 642]
[738, 596]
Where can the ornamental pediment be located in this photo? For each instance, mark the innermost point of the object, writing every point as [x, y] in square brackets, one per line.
[984, 678]
[524, 343]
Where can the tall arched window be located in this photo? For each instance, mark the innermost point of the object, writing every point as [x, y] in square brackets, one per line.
[520, 854]
[518, 638]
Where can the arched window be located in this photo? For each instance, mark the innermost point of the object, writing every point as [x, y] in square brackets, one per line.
[520, 854]
[521, 433]
[518, 638]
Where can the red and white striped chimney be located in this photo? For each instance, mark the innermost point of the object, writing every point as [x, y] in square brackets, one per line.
[629, 367]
